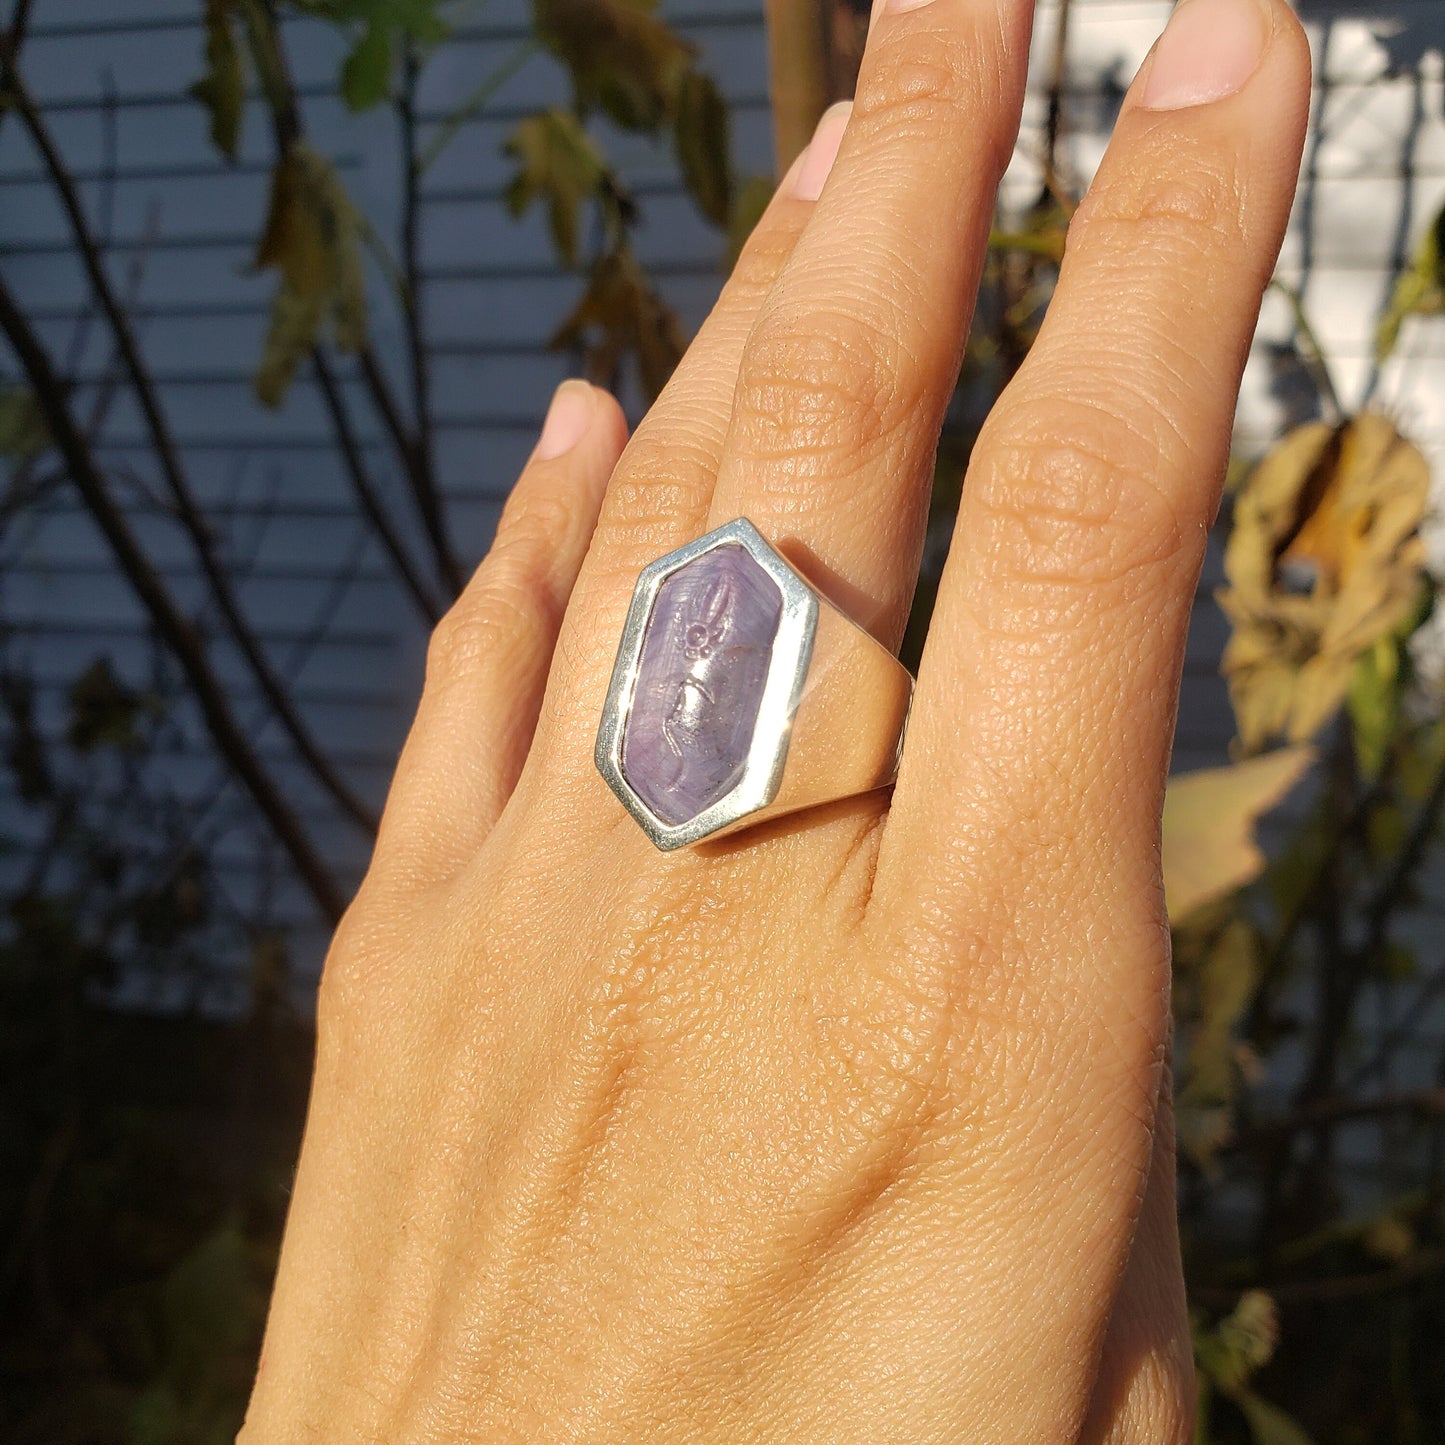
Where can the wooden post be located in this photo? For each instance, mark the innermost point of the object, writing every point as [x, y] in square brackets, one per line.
[814, 47]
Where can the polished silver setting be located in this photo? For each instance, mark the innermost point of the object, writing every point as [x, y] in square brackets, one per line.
[762, 773]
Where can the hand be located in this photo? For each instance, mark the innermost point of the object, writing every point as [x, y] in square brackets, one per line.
[850, 1128]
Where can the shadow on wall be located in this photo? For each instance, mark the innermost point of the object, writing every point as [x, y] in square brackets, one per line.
[1407, 31]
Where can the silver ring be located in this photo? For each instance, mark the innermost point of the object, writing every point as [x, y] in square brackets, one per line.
[741, 693]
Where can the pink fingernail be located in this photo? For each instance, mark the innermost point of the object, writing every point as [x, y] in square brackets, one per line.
[1208, 51]
[822, 151]
[892, 7]
[568, 419]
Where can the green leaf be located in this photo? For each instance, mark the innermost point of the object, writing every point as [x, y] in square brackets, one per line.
[1420, 291]
[1421, 759]
[421, 20]
[621, 56]
[222, 89]
[1219, 987]
[1386, 828]
[1399, 963]
[366, 71]
[1374, 704]
[156, 1417]
[312, 237]
[26, 749]
[1225, 986]
[209, 1304]
[558, 163]
[700, 135]
[23, 433]
[104, 712]
[1243, 1342]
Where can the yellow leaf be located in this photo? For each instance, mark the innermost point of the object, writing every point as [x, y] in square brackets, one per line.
[557, 162]
[312, 236]
[1389, 1238]
[1209, 818]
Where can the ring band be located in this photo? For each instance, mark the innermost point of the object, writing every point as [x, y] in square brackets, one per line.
[740, 693]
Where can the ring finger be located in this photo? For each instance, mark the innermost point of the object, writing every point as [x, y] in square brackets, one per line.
[853, 356]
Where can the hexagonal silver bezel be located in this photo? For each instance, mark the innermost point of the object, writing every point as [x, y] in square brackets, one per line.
[787, 671]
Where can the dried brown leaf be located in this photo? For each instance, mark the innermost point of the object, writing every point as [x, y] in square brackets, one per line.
[621, 316]
[1209, 819]
[1323, 560]
[312, 237]
[622, 56]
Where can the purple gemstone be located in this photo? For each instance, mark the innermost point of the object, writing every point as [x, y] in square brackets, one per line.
[700, 680]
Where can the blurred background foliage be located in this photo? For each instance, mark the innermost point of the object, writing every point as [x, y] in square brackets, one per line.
[144, 1167]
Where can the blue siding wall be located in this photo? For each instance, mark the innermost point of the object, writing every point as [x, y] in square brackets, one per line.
[180, 227]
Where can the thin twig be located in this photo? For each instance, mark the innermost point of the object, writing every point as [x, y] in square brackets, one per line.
[428, 498]
[169, 621]
[19, 21]
[1420, 1265]
[1058, 78]
[1311, 349]
[474, 105]
[1378, 913]
[1340, 1109]
[167, 453]
[366, 494]
[288, 129]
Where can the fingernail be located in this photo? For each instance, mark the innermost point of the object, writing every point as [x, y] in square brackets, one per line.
[568, 419]
[1209, 49]
[822, 151]
[892, 7]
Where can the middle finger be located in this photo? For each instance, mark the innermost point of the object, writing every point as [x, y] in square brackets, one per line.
[855, 352]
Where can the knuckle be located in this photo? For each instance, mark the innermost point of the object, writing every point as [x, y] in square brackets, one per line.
[909, 93]
[823, 385]
[1164, 200]
[536, 523]
[1069, 495]
[346, 994]
[763, 256]
[513, 595]
[880, 1047]
[490, 617]
[662, 476]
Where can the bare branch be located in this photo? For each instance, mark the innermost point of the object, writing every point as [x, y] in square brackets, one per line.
[287, 127]
[1058, 81]
[1420, 1265]
[799, 72]
[366, 494]
[188, 511]
[170, 622]
[1341, 1109]
[428, 499]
